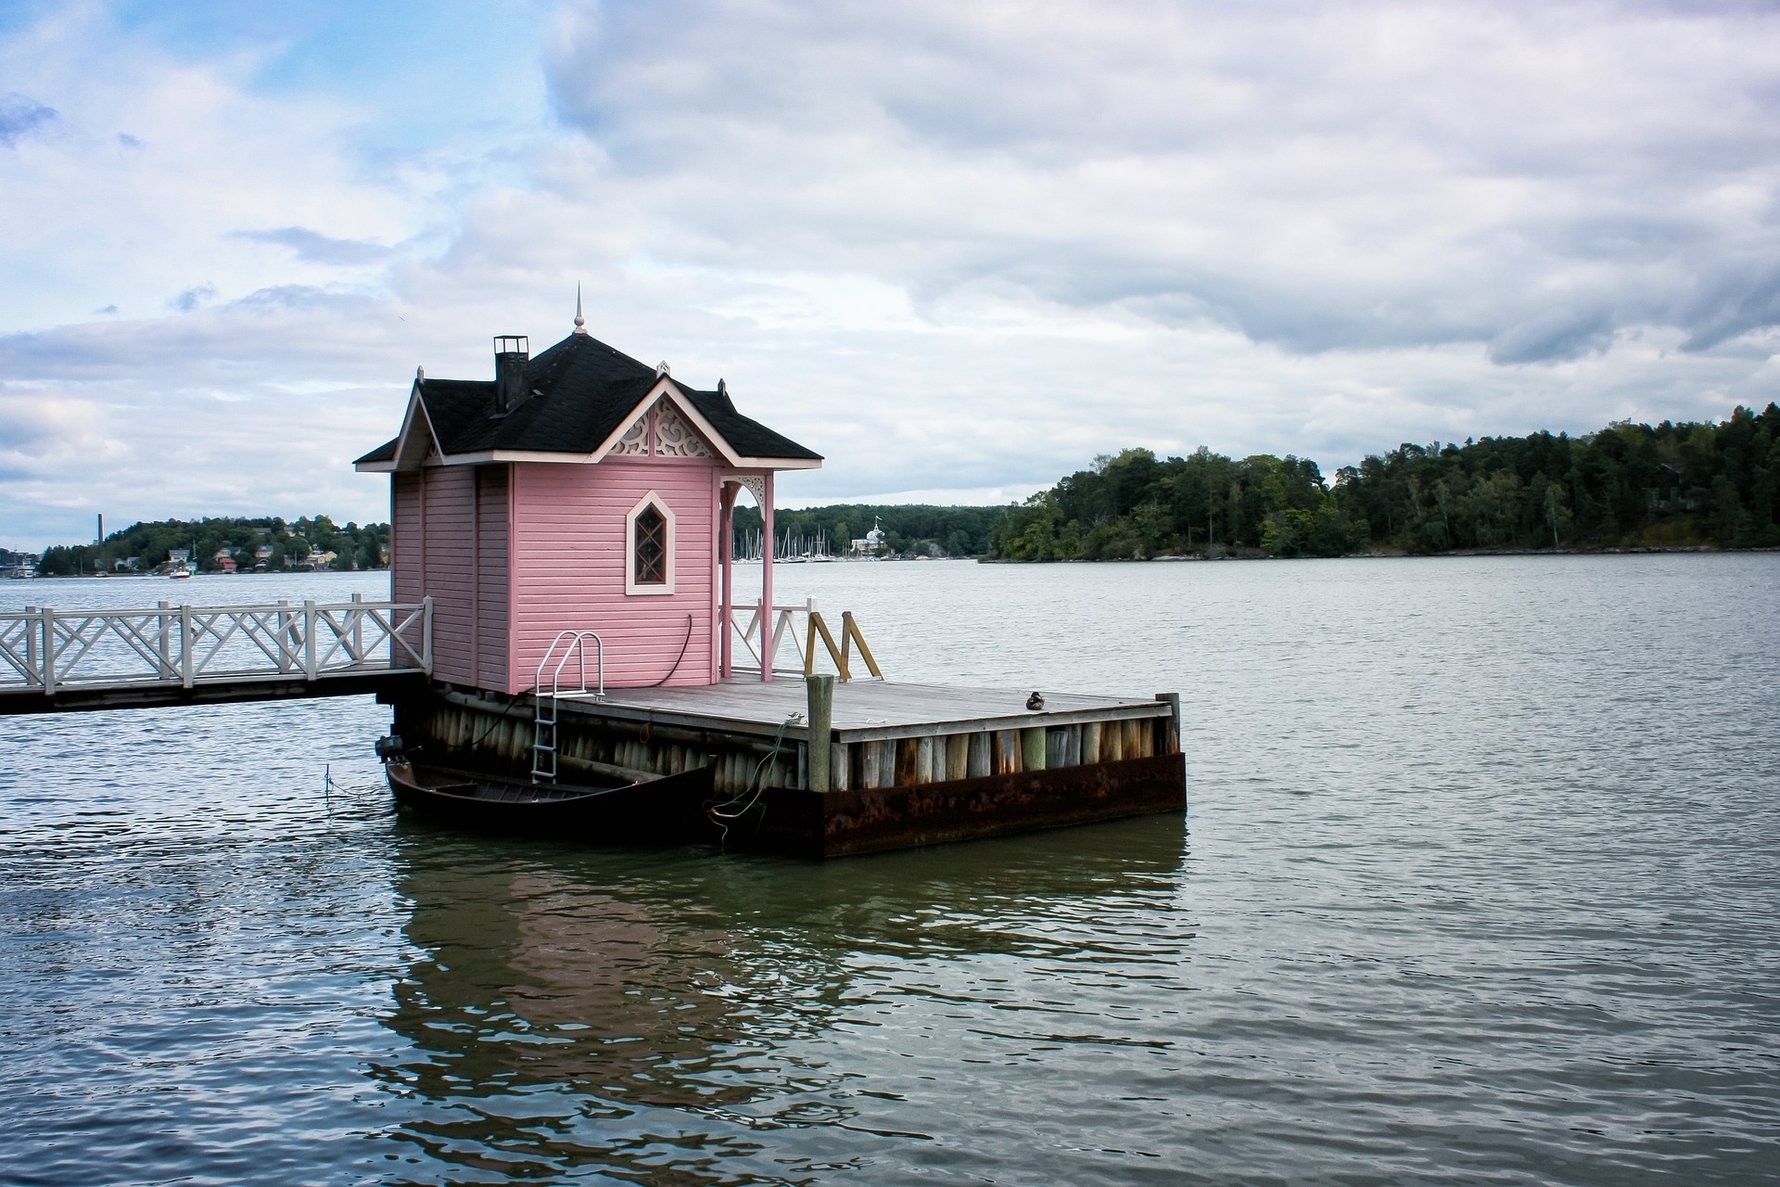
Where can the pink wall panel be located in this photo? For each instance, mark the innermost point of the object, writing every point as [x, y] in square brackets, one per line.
[569, 557]
[405, 555]
[492, 576]
[448, 568]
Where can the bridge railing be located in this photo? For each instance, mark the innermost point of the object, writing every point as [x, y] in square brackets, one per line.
[44, 649]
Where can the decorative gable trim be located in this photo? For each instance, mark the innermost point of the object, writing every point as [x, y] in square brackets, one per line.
[666, 394]
[635, 442]
[674, 438]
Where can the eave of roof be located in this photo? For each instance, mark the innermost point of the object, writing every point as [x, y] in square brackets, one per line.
[581, 397]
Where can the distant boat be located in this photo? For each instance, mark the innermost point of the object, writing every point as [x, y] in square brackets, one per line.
[179, 571]
[668, 809]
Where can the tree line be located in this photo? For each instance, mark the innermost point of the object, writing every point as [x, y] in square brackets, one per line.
[271, 541]
[1688, 485]
[1627, 486]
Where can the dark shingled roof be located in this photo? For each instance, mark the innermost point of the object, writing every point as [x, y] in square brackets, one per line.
[383, 453]
[580, 391]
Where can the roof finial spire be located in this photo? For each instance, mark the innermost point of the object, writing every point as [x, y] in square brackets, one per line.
[580, 322]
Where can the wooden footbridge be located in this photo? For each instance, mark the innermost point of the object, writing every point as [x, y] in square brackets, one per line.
[61, 660]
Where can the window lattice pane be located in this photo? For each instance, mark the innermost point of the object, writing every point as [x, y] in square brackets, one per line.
[651, 548]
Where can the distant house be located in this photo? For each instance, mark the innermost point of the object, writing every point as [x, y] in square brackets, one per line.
[579, 490]
[225, 558]
[871, 544]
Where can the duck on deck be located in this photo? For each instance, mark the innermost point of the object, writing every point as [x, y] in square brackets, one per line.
[584, 496]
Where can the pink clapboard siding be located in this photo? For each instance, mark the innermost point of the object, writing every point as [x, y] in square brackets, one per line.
[406, 562]
[449, 542]
[569, 544]
[493, 577]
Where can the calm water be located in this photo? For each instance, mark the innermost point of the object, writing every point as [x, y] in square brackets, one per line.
[1479, 884]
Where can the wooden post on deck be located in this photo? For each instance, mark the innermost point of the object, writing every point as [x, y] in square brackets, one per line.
[1170, 740]
[821, 719]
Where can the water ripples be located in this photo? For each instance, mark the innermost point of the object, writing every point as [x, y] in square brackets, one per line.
[1478, 889]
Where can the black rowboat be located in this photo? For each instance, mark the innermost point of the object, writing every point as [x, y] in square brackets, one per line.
[668, 809]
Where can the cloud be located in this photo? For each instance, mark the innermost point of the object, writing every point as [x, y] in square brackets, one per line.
[316, 248]
[20, 116]
[158, 158]
[193, 297]
[1357, 176]
[955, 248]
[244, 407]
[1730, 300]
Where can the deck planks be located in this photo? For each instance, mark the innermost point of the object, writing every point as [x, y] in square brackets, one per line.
[864, 710]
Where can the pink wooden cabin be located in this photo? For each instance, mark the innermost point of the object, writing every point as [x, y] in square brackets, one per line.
[578, 490]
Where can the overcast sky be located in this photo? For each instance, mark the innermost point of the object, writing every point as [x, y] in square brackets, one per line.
[959, 249]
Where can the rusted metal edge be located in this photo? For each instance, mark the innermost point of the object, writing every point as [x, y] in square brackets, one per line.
[840, 823]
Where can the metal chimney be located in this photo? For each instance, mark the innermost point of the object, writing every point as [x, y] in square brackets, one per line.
[511, 352]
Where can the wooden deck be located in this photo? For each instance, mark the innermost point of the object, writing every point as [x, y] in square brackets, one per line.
[864, 710]
[905, 764]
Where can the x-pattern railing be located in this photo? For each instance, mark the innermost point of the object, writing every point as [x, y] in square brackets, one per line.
[47, 649]
[764, 645]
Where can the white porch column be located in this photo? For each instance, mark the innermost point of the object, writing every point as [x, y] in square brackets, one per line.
[726, 551]
[766, 582]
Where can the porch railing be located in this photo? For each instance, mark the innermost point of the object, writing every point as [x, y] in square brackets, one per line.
[764, 638]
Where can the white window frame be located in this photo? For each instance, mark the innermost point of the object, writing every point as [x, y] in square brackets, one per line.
[652, 499]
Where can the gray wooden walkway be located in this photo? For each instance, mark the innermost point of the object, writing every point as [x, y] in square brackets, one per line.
[864, 710]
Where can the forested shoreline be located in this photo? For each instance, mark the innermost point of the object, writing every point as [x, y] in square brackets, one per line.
[1628, 486]
[265, 543]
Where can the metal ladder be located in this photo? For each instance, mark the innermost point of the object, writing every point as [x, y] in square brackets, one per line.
[573, 645]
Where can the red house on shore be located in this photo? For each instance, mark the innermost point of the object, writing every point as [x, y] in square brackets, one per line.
[578, 490]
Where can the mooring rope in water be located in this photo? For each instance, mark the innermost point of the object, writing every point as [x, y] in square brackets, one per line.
[756, 787]
[329, 785]
[355, 793]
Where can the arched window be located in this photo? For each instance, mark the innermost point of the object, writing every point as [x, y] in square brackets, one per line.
[650, 554]
[649, 563]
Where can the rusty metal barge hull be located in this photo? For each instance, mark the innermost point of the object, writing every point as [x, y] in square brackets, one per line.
[874, 766]
[825, 824]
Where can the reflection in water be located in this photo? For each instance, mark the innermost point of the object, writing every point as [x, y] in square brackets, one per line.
[1502, 918]
[656, 1015]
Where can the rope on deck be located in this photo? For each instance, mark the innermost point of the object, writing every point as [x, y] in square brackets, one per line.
[740, 804]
